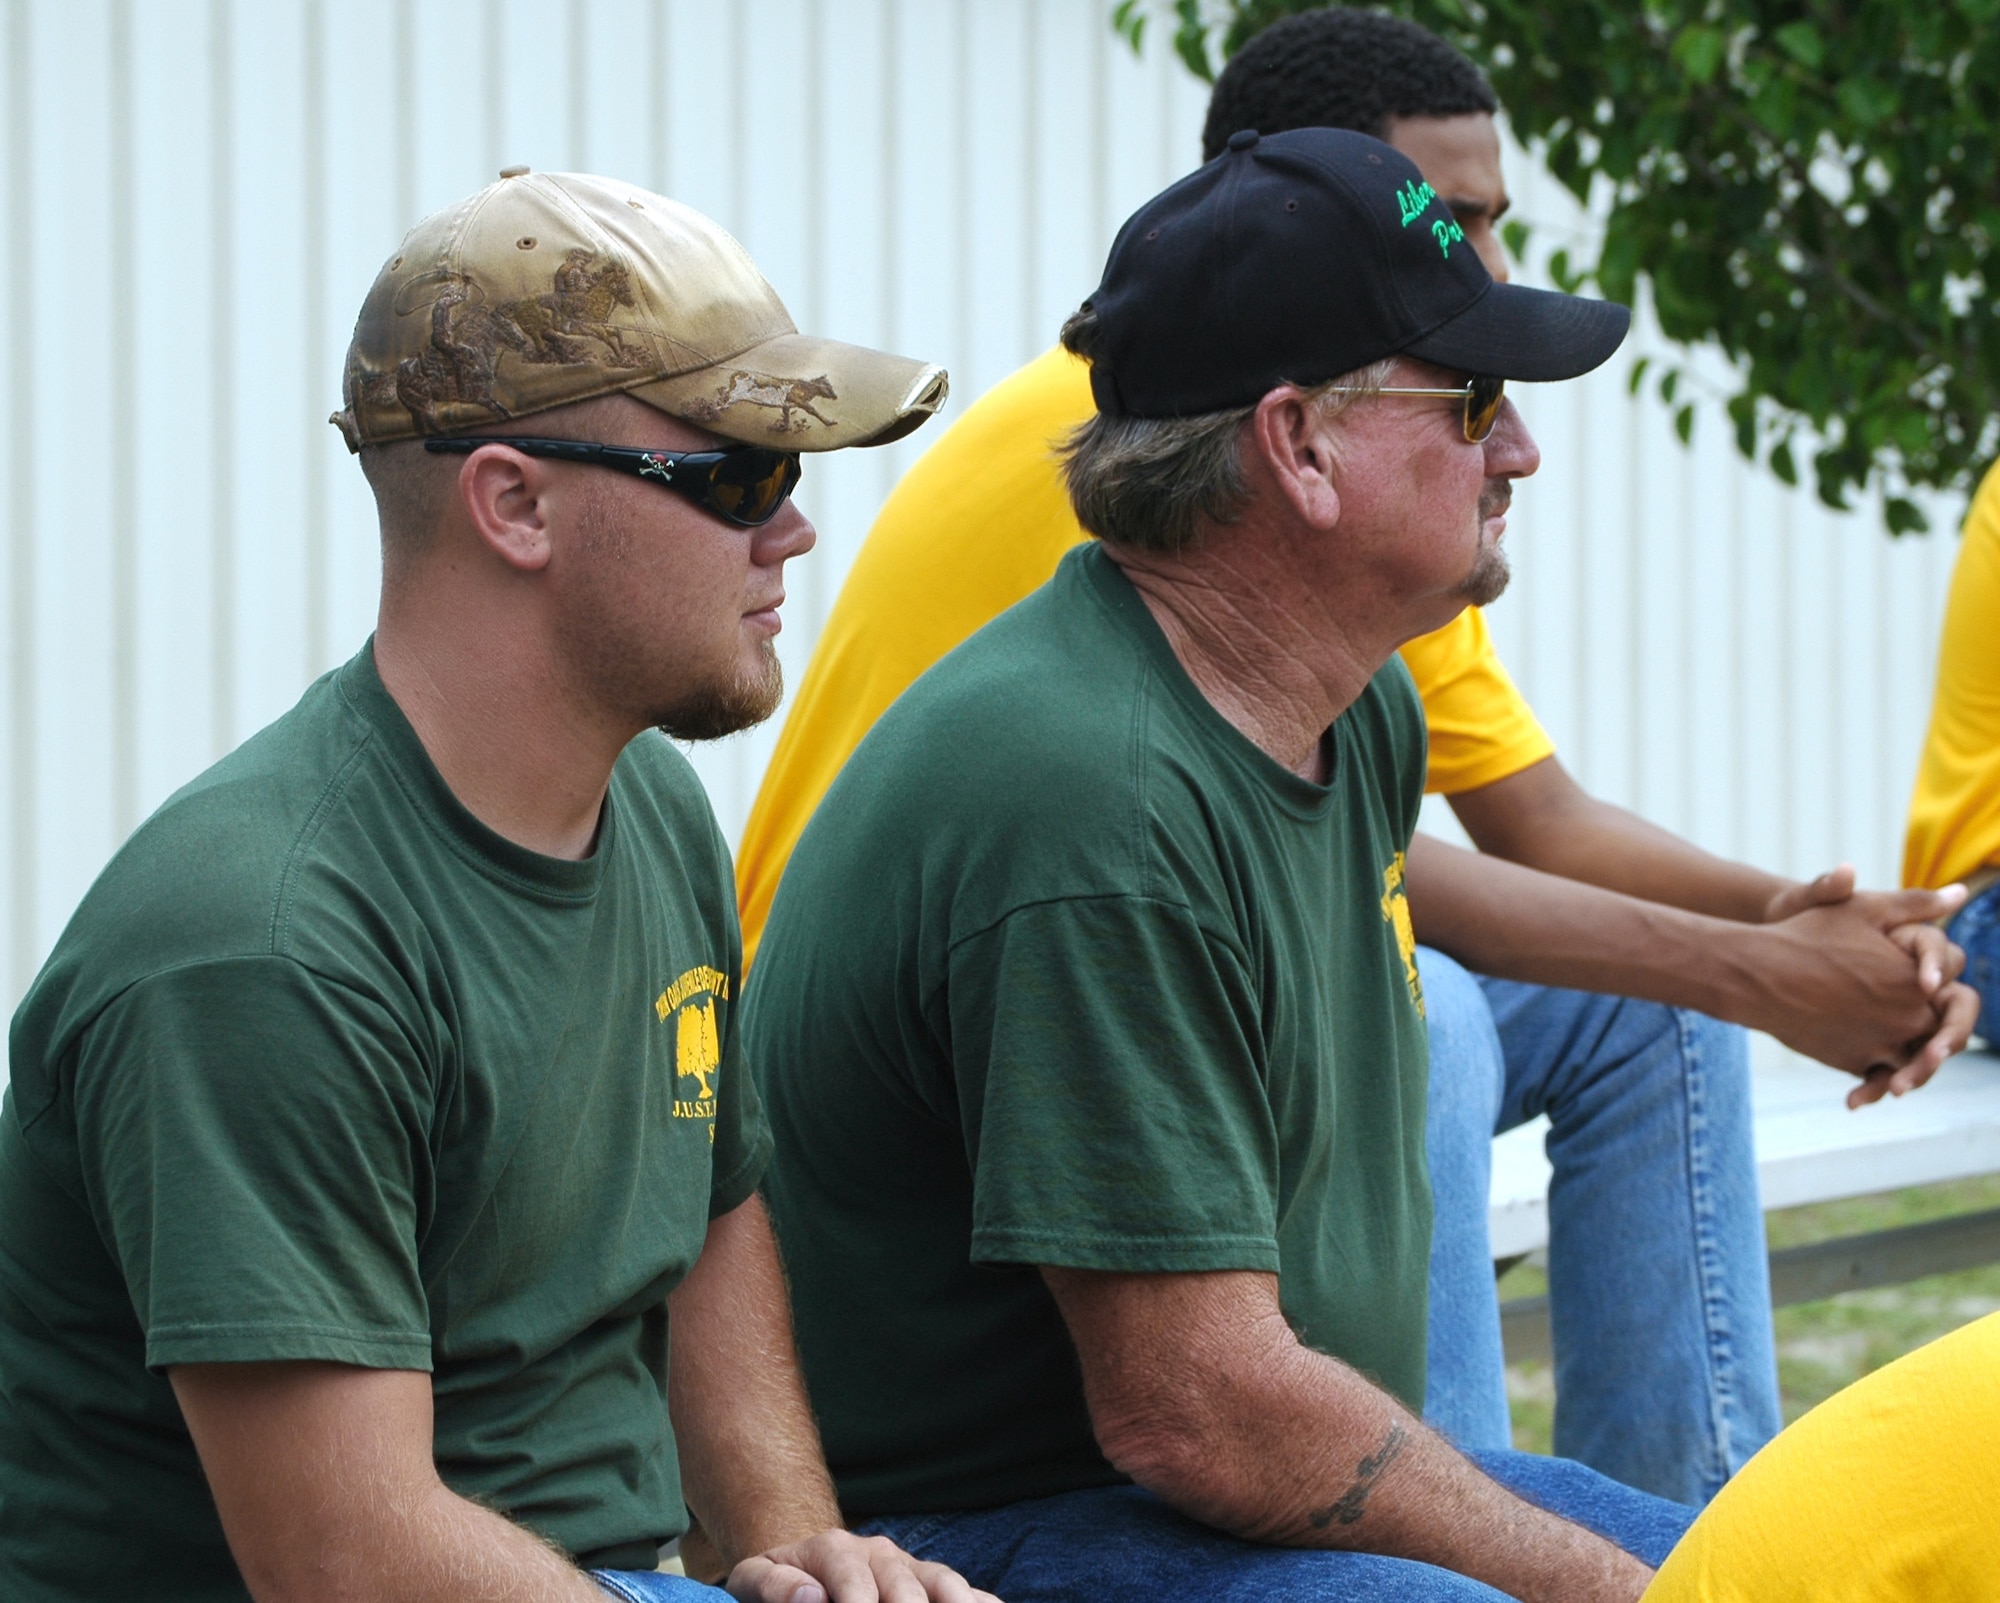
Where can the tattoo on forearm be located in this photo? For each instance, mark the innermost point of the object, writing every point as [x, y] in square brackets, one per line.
[1354, 1501]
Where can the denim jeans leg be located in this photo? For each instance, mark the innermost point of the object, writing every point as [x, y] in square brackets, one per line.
[1119, 1544]
[1976, 927]
[1465, 1394]
[656, 1586]
[1659, 1291]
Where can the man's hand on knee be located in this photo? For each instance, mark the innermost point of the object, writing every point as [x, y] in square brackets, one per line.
[840, 1567]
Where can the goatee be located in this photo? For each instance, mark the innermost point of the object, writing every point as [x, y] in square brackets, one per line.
[711, 711]
[1487, 581]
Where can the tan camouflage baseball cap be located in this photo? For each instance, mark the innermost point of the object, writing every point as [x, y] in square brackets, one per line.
[548, 288]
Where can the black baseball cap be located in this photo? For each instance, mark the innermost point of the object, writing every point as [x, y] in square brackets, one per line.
[1299, 257]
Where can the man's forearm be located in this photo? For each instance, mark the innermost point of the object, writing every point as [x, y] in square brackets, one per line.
[444, 1549]
[1831, 982]
[751, 1464]
[323, 1477]
[1518, 923]
[1542, 819]
[1199, 1390]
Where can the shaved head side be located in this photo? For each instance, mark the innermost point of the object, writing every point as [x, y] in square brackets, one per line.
[412, 489]
[416, 490]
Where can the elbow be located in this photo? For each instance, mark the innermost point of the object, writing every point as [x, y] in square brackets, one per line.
[1155, 1450]
[1187, 1459]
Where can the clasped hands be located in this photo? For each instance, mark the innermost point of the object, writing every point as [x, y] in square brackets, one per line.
[1866, 981]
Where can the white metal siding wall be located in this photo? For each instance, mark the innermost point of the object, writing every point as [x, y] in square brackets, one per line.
[198, 194]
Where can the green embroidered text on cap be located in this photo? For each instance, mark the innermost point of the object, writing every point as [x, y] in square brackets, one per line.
[1447, 233]
[1412, 198]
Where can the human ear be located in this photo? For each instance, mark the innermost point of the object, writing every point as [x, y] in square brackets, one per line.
[1290, 438]
[503, 493]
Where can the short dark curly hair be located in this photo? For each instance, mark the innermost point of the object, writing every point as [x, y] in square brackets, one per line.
[1341, 68]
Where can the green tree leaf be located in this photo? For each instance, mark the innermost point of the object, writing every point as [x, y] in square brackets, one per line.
[1903, 517]
[1700, 51]
[1801, 41]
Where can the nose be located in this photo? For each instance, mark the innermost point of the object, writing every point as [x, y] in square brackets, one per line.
[790, 534]
[1486, 244]
[1511, 452]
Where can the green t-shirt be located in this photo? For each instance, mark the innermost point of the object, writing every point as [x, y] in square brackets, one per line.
[323, 1068]
[1066, 971]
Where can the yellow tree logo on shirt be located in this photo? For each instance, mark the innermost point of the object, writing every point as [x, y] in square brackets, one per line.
[690, 1003]
[1396, 909]
[697, 1047]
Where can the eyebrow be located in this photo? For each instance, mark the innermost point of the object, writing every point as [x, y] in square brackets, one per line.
[1463, 206]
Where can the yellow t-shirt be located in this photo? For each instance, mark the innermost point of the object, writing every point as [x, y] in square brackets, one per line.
[1888, 1492]
[1955, 812]
[975, 526]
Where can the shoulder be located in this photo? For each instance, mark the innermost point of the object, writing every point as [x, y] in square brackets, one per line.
[1015, 765]
[1982, 522]
[1057, 685]
[202, 881]
[201, 876]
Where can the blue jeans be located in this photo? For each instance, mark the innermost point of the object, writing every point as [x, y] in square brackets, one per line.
[654, 1586]
[1117, 1543]
[1659, 1290]
[1977, 929]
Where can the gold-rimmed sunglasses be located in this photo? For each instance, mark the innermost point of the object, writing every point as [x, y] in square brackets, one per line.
[1482, 397]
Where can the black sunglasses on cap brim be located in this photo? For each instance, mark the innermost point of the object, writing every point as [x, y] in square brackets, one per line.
[747, 485]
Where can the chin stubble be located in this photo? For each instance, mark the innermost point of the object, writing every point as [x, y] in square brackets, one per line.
[710, 711]
[1487, 579]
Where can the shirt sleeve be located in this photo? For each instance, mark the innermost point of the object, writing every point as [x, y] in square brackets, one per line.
[255, 1151]
[1481, 727]
[1112, 1094]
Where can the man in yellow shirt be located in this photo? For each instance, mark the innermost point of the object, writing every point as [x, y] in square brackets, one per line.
[1889, 1490]
[1660, 1302]
[1955, 814]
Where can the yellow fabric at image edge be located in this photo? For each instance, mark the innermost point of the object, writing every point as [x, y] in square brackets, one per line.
[975, 526]
[1889, 1490]
[1955, 811]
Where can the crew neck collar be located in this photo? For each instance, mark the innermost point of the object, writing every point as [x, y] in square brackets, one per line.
[360, 683]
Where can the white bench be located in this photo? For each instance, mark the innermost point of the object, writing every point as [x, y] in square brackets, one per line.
[1810, 1148]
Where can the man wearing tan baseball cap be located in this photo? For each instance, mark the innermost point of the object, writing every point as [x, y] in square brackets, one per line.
[382, 1108]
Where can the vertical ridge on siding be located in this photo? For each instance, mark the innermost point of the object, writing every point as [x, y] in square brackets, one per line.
[318, 581]
[656, 53]
[892, 210]
[222, 367]
[124, 409]
[575, 159]
[24, 955]
[403, 113]
[1031, 172]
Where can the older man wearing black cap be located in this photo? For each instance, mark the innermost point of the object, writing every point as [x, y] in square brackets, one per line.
[1087, 1016]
